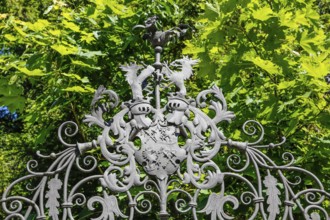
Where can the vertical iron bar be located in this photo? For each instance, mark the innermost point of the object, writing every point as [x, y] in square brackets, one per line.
[158, 66]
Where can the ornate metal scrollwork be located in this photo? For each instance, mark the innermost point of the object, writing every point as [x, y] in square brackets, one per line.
[165, 157]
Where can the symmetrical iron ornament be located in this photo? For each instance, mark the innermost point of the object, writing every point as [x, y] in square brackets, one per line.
[169, 158]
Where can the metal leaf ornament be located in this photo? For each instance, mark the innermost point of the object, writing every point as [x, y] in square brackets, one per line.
[215, 205]
[110, 207]
[273, 197]
[52, 203]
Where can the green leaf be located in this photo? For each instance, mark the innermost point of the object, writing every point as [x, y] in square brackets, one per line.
[8, 89]
[212, 10]
[10, 37]
[300, 18]
[37, 61]
[266, 111]
[191, 49]
[41, 137]
[90, 54]
[65, 49]
[85, 80]
[263, 14]
[317, 70]
[70, 25]
[78, 89]
[286, 84]
[55, 32]
[88, 38]
[119, 9]
[72, 76]
[76, 76]
[35, 72]
[286, 18]
[267, 65]
[308, 41]
[20, 31]
[83, 64]
[39, 25]
[89, 88]
[292, 126]
[13, 102]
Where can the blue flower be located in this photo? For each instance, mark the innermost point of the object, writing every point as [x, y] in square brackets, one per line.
[3, 108]
[14, 116]
[5, 113]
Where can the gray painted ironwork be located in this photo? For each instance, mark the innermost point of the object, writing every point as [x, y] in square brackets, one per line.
[164, 150]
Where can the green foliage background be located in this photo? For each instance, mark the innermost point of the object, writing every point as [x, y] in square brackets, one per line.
[269, 57]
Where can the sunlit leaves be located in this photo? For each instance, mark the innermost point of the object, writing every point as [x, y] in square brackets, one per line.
[88, 38]
[276, 53]
[83, 64]
[63, 53]
[308, 41]
[70, 25]
[191, 49]
[39, 25]
[117, 8]
[263, 13]
[65, 49]
[10, 37]
[266, 65]
[55, 32]
[19, 30]
[79, 89]
[35, 72]
[286, 84]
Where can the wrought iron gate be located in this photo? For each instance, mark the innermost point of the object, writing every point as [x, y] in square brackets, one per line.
[170, 157]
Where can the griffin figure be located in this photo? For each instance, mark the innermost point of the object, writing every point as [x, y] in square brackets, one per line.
[178, 77]
[135, 80]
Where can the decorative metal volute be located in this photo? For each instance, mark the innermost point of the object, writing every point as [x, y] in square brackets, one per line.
[172, 158]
